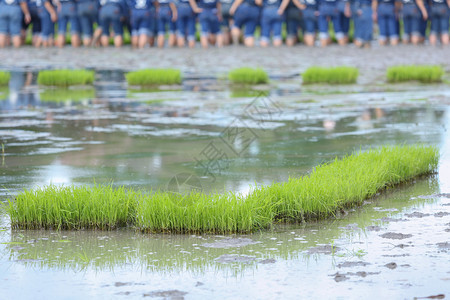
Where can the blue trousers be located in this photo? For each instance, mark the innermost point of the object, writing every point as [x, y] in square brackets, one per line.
[186, 21]
[271, 22]
[10, 19]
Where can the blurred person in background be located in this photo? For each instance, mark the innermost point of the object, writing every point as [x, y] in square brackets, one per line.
[210, 17]
[271, 22]
[87, 13]
[245, 14]
[166, 16]
[111, 15]
[12, 12]
[67, 15]
[411, 17]
[386, 14]
[48, 16]
[185, 24]
[142, 19]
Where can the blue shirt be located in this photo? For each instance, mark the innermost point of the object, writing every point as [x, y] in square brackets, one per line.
[140, 4]
[12, 2]
[40, 3]
[267, 3]
[363, 2]
[121, 3]
[438, 2]
[164, 2]
[83, 1]
[207, 4]
[310, 4]
[250, 2]
[332, 2]
[32, 3]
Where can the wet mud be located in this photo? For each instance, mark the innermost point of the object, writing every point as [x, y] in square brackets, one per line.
[230, 242]
[339, 277]
[417, 214]
[324, 249]
[350, 264]
[170, 295]
[228, 258]
[395, 235]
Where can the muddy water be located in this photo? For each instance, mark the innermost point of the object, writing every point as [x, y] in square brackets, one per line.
[394, 246]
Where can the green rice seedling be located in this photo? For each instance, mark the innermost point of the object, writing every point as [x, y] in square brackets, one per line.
[346, 182]
[328, 188]
[199, 212]
[64, 78]
[4, 78]
[248, 76]
[336, 75]
[424, 74]
[59, 207]
[62, 95]
[153, 77]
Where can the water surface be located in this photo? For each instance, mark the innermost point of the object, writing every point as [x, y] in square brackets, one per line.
[394, 246]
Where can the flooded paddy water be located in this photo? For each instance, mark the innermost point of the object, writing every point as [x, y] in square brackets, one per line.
[396, 245]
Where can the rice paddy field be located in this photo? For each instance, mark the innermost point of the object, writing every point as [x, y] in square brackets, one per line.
[246, 75]
[206, 189]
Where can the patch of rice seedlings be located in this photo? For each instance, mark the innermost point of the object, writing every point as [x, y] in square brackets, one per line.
[65, 78]
[247, 75]
[59, 207]
[4, 78]
[63, 95]
[335, 75]
[153, 77]
[198, 212]
[424, 74]
[346, 182]
[329, 188]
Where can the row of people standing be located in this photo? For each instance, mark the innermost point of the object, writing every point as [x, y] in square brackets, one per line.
[221, 21]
